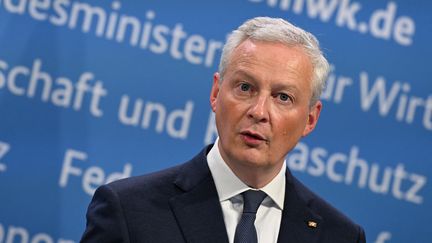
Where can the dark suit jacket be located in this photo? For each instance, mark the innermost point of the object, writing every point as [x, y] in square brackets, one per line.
[181, 204]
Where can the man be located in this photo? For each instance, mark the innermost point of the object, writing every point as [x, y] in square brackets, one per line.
[265, 98]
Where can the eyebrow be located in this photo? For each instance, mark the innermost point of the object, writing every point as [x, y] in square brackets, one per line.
[277, 86]
[244, 73]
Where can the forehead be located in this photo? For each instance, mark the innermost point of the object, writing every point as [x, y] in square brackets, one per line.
[271, 61]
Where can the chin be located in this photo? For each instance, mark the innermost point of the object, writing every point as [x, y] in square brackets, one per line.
[252, 159]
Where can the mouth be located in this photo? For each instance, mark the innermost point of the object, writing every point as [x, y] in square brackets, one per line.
[252, 138]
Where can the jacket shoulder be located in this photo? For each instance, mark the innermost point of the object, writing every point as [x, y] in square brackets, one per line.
[161, 185]
[334, 221]
[144, 192]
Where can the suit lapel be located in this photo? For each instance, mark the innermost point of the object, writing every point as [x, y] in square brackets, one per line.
[199, 214]
[299, 223]
[197, 210]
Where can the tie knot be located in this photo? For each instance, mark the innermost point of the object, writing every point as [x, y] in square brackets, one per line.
[252, 200]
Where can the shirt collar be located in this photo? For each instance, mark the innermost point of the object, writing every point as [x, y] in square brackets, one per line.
[229, 185]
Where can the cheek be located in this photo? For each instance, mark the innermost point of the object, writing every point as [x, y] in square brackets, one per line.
[232, 109]
[227, 115]
[291, 127]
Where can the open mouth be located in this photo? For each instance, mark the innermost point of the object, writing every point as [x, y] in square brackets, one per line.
[253, 136]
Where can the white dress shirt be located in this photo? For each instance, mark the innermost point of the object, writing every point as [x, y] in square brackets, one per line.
[229, 188]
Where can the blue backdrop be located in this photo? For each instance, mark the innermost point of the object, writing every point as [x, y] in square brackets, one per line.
[93, 91]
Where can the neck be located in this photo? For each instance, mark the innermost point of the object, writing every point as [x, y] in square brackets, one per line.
[254, 176]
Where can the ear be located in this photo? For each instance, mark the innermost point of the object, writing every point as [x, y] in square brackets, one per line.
[214, 91]
[313, 116]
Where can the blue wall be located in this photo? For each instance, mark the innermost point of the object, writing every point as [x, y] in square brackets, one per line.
[98, 90]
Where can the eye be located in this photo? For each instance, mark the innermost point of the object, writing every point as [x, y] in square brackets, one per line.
[245, 87]
[284, 97]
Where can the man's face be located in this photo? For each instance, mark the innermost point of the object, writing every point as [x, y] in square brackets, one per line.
[262, 105]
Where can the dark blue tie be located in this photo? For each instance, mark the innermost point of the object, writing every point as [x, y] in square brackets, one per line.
[245, 231]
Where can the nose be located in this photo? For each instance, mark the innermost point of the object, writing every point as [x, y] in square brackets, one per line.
[259, 110]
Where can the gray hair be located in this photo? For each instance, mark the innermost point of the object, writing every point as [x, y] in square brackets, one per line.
[278, 30]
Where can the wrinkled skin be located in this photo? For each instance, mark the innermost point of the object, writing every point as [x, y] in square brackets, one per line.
[262, 108]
